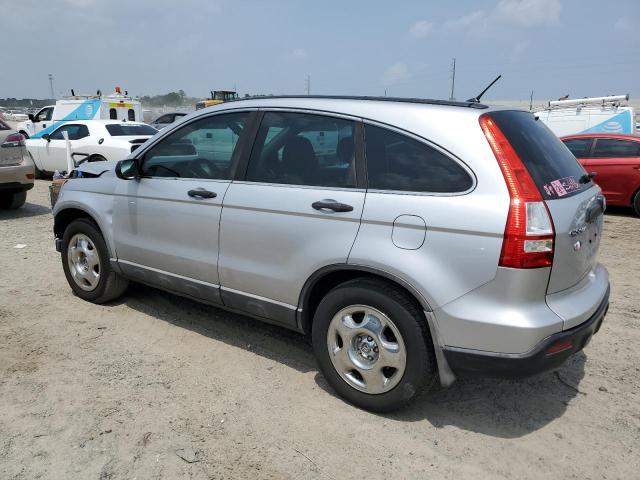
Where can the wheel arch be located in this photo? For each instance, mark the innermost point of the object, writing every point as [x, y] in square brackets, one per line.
[328, 277]
[65, 216]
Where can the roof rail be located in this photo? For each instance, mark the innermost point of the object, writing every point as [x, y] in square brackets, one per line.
[377, 99]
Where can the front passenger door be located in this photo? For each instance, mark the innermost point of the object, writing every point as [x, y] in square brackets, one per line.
[166, 222]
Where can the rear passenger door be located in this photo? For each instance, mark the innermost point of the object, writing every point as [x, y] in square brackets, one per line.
[616, 164]
[296, 210]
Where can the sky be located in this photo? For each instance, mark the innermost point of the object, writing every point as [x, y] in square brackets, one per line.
[357, 47]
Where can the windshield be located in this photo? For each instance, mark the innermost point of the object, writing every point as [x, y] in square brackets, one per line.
[127, 130]
[552, 166]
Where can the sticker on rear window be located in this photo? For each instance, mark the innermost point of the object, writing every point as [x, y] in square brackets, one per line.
[562, 186]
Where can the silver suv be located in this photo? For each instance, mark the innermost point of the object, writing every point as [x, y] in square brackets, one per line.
[16, 168]
[414, 241]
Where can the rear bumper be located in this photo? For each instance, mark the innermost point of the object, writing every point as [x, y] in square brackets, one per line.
[465, 362]
[15, 187]
[17, 178]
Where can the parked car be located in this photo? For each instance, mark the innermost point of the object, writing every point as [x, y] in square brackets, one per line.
[16, 169]
[92, 140]
[615, 159]
[167, 119]
[412, 240]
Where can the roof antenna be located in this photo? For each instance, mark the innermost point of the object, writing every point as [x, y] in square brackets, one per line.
[98, 93]
[73, 94]
[477, 99]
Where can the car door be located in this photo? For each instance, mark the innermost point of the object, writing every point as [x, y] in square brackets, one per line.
[53, 151]
[43, 119]
[296, 210]
[166, 222]
[617, 165]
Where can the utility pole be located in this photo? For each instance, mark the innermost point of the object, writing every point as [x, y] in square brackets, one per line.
[307, 84]
[531, 101]
[453, 79]
[51, 86]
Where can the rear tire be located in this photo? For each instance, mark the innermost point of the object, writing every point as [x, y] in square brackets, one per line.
[13, 200]
[85, 260]
[372, 345]
[636, 203]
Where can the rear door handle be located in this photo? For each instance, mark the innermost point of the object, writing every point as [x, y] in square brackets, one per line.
[331, 205]
[202, 193]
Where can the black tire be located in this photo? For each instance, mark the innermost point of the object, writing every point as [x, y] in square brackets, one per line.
[636, 203]
[13, 200]
[110, 285]
[420, 371]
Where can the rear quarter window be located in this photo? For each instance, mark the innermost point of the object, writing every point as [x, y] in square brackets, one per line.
[398, 162]
[550, 163]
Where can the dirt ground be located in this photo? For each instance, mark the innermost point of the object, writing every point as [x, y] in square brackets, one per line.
[113, 391]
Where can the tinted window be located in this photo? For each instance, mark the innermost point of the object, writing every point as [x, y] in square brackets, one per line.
[123, 130]
[131, 115]
[579, 146]
[301, 149]
[75, 132]
[113, 115]
[397, 162]
[610, 148]
[552, 166]
[44, 115]
[201, 149]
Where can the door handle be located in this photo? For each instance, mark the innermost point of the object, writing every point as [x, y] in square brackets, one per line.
[331, 205]
[202, 193]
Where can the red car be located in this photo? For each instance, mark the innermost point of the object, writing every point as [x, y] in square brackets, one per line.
[615, 158]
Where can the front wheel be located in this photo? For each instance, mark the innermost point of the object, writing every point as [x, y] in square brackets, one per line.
[85, 261]
[372, 345]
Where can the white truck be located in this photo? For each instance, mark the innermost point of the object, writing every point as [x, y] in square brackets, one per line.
[116, 106]
[589, 115]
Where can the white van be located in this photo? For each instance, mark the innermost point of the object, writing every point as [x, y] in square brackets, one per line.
[82, 107]
[589, 115]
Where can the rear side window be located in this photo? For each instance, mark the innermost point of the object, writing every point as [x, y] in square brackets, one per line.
[611, 148]
[552, 166]
[131, 115]
[397, 162]
[125, 130]
[302, 149]
[113, 115]
[579, 146]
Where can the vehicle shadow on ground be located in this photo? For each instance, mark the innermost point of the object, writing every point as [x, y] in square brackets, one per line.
[616, 211]
[28, 210]
[494, 407]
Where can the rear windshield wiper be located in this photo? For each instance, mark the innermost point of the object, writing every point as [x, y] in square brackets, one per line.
[586, 178]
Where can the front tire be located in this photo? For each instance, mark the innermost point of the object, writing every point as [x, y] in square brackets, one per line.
[372, 345]
[85, 260]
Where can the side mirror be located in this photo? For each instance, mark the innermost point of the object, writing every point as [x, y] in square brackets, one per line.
[47, 137]
[127, 169]
[31, 117]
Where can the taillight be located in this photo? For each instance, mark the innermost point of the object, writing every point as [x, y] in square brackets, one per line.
[13, 140]
[528, 234]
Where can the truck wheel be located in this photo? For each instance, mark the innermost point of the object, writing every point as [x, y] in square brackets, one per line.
[636, 203]
[373, 346]
[85, 260]
[13, 200]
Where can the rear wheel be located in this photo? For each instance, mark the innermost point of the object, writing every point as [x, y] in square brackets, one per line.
[13, 200]
[636, 203]
[85, 261]
[372, 345]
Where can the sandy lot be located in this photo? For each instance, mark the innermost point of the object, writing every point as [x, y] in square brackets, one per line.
[111, 392]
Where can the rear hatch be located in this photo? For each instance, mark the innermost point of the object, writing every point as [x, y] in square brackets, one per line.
[11, 149]
[574, 202]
